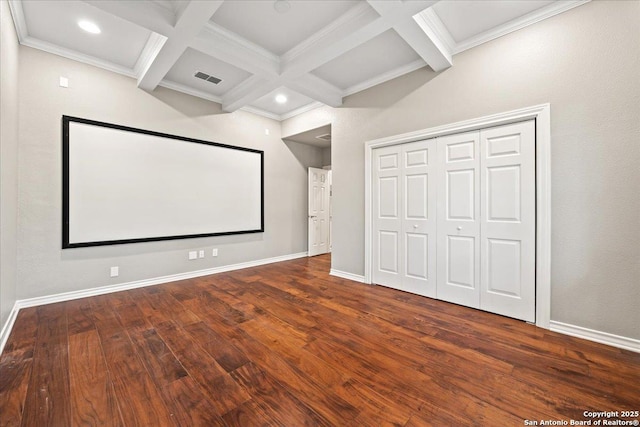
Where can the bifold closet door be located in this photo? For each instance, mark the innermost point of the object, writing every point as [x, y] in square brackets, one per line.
[486, 220]
[508, 222]
[404, 217]
[387, 224]
[458, 222]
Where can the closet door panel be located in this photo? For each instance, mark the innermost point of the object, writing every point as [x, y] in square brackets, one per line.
[419, 224]
[458, 227]
[387, 221]
[508, 220]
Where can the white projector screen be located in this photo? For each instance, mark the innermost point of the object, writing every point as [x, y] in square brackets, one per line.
[126, 185]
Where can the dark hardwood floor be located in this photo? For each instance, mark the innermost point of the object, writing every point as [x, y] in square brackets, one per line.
[288, 345]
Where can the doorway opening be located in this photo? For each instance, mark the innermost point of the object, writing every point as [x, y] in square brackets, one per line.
[319, 186]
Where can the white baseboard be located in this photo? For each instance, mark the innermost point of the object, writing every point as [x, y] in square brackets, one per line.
[68, 296]
[345, 275]
[626, 343]
[8, 326]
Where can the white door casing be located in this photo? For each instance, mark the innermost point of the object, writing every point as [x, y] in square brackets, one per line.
[404, 216]
[458, 219]
[330, 175]
[508, 223]
[318, 212]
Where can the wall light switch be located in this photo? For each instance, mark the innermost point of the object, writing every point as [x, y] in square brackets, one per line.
[115, 271]
[193, 255]
[266, 131]
[64, 82]
[214, 252]
[201, 254]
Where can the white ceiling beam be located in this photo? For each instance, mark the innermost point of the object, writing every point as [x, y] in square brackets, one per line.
[145, 14]
[428, 46]
[250, 90]
[232, 49]
[399, 15]
[318, 89]
[359, 25]
[192, 20]
[295, 64]
[390, 9]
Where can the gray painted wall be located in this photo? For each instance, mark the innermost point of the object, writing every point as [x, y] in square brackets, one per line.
[586, 63]
[8, 161]
[44, 268]
[326, 156]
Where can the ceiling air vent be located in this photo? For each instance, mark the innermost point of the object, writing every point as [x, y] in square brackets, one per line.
[324, 137]
[207, 77]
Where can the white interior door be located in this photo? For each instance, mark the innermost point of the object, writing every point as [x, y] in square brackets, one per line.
[507, 227]
[318, 211]
[458, 224]
[404, 217]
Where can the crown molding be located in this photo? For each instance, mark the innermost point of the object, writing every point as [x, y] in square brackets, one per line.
[301, 110]
[389, 75]
[260, 112]
[17, 13]
[519, 23]
[285, 116]
[190, 91]
[75, 56]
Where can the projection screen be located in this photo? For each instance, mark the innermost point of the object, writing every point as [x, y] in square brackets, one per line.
[127, 185]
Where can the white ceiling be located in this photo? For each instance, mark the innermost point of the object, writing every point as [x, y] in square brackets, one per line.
[315, 53]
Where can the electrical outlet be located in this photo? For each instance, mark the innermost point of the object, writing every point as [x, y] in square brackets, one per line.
[201, 254]
[193, 255]
[214, 252]
[115, 271]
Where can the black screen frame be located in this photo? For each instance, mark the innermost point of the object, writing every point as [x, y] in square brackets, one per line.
[66, 244]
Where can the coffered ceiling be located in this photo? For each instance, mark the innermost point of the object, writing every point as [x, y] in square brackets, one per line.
[311, 52]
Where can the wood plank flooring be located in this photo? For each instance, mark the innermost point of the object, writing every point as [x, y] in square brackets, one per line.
[288, 345]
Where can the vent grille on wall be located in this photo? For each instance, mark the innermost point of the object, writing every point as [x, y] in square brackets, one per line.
[324, 137]
[207, 77]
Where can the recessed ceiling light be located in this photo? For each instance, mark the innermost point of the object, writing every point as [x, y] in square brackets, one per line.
[281, 99]
[281, 6]
[89, 27]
